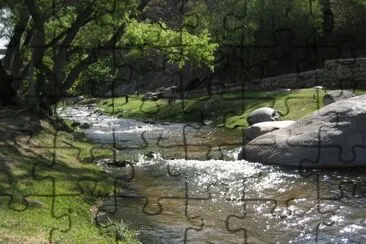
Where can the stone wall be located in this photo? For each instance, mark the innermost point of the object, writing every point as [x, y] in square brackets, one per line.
[336, 74]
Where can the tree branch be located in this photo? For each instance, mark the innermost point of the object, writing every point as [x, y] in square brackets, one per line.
[93, 55]
[56, 39]
[4, 74]
[14, 56]
[32, 7]
[38, 38]
[142, 5]
[24, 70]
[22, 73]
[82, 19]
[98, 52]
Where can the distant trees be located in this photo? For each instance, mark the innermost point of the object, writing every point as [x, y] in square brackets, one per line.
[242, 27]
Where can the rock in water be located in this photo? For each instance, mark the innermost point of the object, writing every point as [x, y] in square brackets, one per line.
[336, 95]
[85, 126]
[262, 128]
[334, 136]
[262, 115]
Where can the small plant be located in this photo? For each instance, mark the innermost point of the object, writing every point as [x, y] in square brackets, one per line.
[121, 232]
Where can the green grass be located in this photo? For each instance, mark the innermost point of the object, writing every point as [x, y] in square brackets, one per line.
[229, 110]
[33, 169]
[121, 232]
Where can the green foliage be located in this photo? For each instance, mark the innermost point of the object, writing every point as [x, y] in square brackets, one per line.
[240, 23]
[181, 46]
[349, 16]
[121, 232]
[99, 75]
[246, 22]
[195, 36]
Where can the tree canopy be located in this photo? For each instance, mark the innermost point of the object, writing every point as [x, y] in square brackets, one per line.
[61, 39]
[52, 43]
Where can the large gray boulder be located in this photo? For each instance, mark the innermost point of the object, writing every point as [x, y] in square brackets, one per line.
[336, 95]
[262, 115]
[334, 136]
[262, 128]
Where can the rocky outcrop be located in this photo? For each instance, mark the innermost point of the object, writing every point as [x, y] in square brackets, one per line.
[262, 115]
[262, 128]
[334, 136]
[336, 95]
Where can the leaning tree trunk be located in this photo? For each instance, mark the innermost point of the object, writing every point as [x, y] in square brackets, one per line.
[8, 94]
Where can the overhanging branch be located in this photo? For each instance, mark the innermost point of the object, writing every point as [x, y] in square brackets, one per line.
[14, 56]
[93, 56]
[82, 19]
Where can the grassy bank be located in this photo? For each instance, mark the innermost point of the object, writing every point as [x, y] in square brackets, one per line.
[229, 110]
[49, 187]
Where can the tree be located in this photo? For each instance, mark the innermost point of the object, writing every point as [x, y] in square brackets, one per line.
[54, 41]
[242, 27]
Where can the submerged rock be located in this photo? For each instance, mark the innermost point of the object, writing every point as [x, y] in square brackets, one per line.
[114, 163]
[75, 124]
[334, 136]
[151, 155]
[85, 126]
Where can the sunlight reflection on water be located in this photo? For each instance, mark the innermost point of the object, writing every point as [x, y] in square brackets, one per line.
[232, 200]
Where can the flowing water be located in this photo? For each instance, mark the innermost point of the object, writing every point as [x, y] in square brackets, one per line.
[194, 190]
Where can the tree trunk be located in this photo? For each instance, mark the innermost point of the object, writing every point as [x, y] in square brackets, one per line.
[8, 95]
[7, 92]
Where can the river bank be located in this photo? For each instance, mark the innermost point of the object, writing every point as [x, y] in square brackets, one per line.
[51, 189]
[223, 110]
[191, 189]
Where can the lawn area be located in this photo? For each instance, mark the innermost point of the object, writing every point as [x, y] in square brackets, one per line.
[229, 110]
[49, 187]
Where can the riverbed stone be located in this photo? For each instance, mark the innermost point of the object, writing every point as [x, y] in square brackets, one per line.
[336, 95]
[334, 136]
[75, 124]
[85, 126]
[261, 115]
[262, 128]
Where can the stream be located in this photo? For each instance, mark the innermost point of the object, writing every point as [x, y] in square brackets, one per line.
[193, 190]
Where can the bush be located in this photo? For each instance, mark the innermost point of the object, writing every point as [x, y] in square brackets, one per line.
[121, 232]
